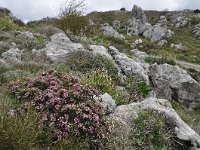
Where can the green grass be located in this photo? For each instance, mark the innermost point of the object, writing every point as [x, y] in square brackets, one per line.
[103, 82]
[7, 25]
[22, 132]
[191, 117]
[160, 60]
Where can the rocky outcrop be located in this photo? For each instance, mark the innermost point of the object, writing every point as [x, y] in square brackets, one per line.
[173, 83]
[101, 50]
[124, 116]
[159, 31]
[58, 48]
[138, 13]
[197, 30]
[180, 20]
[138, 23]
[136, 27]
[13, 55]
[108, 31]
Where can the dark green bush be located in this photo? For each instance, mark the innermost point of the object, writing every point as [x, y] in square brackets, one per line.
[196, 11]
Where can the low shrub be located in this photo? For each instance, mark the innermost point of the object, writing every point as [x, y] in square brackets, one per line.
[65, 105]
[71, 18]
[86, 62]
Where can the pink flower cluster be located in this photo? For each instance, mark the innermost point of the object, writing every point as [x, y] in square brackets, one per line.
[64, 105]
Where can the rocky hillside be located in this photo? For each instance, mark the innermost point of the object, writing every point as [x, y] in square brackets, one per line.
[117, 80]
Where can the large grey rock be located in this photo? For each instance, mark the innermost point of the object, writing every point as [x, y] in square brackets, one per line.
[59, 47]
[132, 67]
[159, 31]
[125, 114]
[107, 103]
[110, 32]
[13, 55]
[138, 13]
[173, 83]
[101, 50]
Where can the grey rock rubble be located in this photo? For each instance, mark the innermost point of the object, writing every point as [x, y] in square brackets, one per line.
[125, 114]
[101, 50]
[173, 83]
[159, 31]
[197, 30]
[180, 20]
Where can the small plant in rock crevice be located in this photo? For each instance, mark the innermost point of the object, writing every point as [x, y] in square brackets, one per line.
[64, 104]
[137, 89]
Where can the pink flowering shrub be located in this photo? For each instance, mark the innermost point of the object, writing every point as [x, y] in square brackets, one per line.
[64, 105]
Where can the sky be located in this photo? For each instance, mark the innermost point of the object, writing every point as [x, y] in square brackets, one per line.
[28, 10]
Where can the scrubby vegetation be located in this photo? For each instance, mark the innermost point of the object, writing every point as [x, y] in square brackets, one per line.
[149, 131]
[53, 106]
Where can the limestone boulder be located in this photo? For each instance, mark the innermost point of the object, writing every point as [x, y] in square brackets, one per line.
[59, 47]
[108, 31]
[125, 114]
[173, 83]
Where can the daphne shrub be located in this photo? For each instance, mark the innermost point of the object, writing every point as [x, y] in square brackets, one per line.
[64, 104]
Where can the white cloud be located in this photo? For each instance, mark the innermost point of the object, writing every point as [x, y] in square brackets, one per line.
[37, 9]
